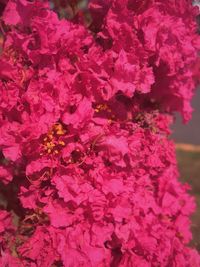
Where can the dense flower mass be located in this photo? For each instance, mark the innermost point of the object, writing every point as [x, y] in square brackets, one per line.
[88, 173]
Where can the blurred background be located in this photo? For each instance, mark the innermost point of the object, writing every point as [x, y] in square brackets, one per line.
[190, 132]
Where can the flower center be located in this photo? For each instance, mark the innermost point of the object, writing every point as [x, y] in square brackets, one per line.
[53, 142]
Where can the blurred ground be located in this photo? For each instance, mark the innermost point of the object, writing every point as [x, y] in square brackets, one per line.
[189, 166]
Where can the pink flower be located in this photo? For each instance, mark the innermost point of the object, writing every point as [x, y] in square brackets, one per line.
[43, 252]
[129, 77]
[82, 113]
[5, 175]
[6, 222]
[87, 167]
[8, 260]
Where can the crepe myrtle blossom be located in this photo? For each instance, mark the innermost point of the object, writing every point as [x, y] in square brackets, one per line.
[88, 173]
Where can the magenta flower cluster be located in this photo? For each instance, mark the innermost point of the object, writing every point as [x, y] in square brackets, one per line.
[87, 170]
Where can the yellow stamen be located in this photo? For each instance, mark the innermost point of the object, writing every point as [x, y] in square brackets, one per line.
[60, 132]
[58, 126]
[50, 136]
[50, 145]
[62, 143]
